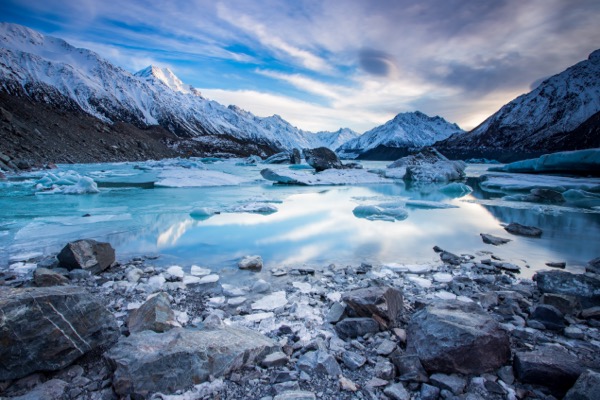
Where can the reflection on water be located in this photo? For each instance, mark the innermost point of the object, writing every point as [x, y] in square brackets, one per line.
[312, 226]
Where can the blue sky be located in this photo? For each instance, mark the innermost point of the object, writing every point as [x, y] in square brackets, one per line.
[340, 63]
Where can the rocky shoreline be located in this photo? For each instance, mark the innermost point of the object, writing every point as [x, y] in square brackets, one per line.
[83, 326]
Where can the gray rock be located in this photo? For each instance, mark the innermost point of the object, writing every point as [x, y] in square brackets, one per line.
[397, 392]
[384, 304]
[275, 359]
[252, 263]
[586, 288]
[295, 157]
[79, 274]
[261, 286]
[506, 374]
[454, 336]
[593, 266]
[546, 196]
[148, 362]
[574, 333]
[54, 389]
[523, 230]
[386, 347]
[355, 327]
[550, 316]
[409, 367]
[429, 392]
[87, 254]
[155, 315]
[43, 277]
[336, 312]
[384, 369]
[46, 329]
[352, 360]
[592, 312]
[296, 395]
[587, 387]
[450, 258]
[322, 158]
[507, 266]
[567, 305]
[453, 383]
[559, 265]
[549, 366]
[319, 362]
[491, 239]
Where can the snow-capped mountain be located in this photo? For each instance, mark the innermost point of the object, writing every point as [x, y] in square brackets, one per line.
[167, 77]
[333, 140]
[531, 123]
[407, 131]
[51, 71]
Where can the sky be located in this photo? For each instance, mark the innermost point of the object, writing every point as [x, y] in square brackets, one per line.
[326, 64]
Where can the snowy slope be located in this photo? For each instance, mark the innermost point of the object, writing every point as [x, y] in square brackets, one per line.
[407, 130]
[333, 140]
[559, 104]
[49, 69]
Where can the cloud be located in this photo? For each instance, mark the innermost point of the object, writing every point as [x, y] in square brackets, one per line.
[377, 63]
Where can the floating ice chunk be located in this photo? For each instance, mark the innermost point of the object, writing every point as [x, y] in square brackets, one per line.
[526, 182]
[428, 205]
[156, 283]
[199, 271]
[380, 213]
[270, 302]
[456, 189]
[197, 178]
[580, 161]
[581, 198]
[202, 213]
[68, 182]
[327, 177]
[256, 208]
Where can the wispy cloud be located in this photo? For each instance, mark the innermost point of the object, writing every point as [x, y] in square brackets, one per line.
[350, 63]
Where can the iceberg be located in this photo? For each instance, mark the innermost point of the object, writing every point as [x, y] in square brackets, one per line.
[427, 166]
[68, 182]
[580, 162]
[256, 208]
[527, 182]
[197, 178]
[383, 212]
[327, 177]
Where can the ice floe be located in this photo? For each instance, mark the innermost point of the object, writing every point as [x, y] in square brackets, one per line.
[580, 161]
[197, 178]
[526, 182]
[67, 182]
[381, 212]
[327, 177]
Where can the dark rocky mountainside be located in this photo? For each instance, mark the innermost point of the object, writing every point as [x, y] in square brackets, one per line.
[560, 114]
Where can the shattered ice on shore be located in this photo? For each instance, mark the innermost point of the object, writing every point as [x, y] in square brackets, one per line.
[68, 182]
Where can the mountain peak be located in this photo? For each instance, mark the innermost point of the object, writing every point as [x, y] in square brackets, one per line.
[167, 78]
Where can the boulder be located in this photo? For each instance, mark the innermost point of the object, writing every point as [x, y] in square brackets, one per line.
[546, 196]
[550, 316]
[382, 303]
[453, 383]
[43, 277]
[593, 266]
[319, 362]
[155, 315]
[87, 254]
[550, 366]
[523, 230]
[586, 288]
[46, 329]
[355, 327]
[252, 263]
[295, 158]
[450, 258]
[491, 239]
[453, 336]
[148, 362]
[567, 305]
[397, 392]
[409, 367]
[587, 387]
[322, 158]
